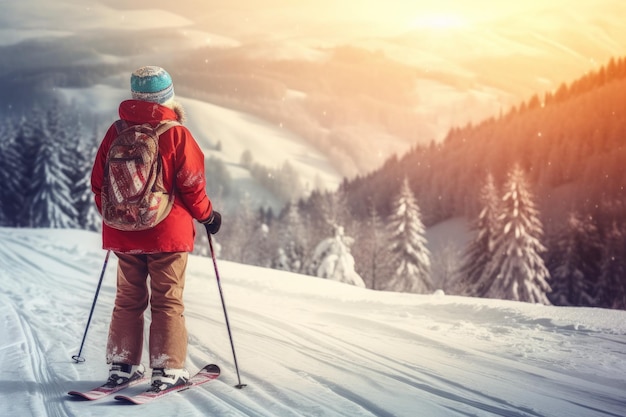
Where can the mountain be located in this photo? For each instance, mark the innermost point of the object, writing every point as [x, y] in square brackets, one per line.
[305, 346]
[569, 142]
[358, 81]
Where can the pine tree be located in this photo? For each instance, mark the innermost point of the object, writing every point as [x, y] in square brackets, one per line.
[574, 263]
[408, 251]
[480, 251]
[517, 271]
[17, 161]
[50, 201]
[332, 259]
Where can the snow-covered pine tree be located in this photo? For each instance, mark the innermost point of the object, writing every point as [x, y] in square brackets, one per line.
[573, 262]
[517, 271]
[408, 252]
[332, 259]
[17, 161]
[480, 251]
[50, 202]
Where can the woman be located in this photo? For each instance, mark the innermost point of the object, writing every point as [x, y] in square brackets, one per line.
[159, 252]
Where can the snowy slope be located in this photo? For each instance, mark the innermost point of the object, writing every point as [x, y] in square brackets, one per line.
[236, 132]
[306, 346]
[269, 144]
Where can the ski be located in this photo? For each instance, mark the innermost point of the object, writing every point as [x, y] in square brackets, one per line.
[104, 391]
[204, 375]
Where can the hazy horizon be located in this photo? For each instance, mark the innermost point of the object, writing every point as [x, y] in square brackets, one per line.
[459, 61]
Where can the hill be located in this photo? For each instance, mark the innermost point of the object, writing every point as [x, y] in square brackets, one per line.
[570, 143]
[306, 346]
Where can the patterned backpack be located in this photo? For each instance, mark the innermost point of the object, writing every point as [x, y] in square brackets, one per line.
[133, 194]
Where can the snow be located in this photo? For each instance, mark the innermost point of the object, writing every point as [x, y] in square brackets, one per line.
[333, 260]
[305, 346]
[270, 145]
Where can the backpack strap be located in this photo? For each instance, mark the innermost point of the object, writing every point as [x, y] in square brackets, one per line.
[166, 125]
[120, 125]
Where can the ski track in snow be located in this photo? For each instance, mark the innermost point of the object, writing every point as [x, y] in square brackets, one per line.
[305, 347]
[37, 381]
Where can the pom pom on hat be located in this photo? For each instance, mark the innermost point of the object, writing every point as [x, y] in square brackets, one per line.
[151, 84]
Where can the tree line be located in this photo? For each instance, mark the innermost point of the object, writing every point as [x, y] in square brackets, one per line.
[319, 236]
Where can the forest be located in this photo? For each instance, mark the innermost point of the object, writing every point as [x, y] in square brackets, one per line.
[542, 186]
[45, 162]
[570, 144]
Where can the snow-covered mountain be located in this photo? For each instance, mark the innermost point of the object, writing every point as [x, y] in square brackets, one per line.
[305, 346]
[470, 59]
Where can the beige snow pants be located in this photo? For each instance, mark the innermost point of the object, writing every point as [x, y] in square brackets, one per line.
[163, 291]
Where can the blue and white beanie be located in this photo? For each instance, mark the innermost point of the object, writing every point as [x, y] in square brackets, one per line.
[151, 84]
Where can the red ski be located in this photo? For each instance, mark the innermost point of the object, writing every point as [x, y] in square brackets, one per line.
[204, 375]
[104, 391]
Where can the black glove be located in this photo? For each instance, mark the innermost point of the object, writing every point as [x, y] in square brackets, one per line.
[213, 223]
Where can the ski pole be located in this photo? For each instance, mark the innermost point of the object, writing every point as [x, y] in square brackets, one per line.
[230, 335]
[78, 358]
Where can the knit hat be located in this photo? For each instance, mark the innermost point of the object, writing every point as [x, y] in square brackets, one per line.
[151, 84]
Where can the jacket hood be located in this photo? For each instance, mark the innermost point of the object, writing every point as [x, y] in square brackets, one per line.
[138, 111]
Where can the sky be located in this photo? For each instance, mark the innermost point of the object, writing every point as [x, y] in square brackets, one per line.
[305, 346]
[333, 20]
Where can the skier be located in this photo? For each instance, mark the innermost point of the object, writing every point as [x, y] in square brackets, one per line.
[161, 251]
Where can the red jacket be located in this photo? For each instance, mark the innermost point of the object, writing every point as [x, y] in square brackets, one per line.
[183, 171]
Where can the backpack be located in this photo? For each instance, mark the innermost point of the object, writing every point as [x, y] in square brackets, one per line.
[133, 194]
